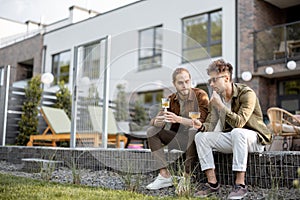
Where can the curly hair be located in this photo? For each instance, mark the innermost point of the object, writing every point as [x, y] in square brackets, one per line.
[220, 66]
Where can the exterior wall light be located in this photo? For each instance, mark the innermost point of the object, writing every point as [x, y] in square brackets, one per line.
[247, 76]
[47, 78]
[291, 65]
[269, 70]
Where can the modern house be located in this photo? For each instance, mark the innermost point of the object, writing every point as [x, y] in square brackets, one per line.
[16, 37]
[268, 47]
[21, 58]
[140, 44]
[21, 44]
[148, 39]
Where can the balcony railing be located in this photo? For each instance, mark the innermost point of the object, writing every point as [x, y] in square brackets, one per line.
[277, 44]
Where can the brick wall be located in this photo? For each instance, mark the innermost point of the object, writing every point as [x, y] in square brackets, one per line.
[252, 16]
[28, 49]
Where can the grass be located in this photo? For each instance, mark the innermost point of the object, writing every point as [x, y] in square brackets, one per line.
[20, 188]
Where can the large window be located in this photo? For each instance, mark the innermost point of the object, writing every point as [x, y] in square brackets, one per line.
[91, 60]
[289, 95]
[151, 97]
[61, 67]
[150, 48]
[202, 36]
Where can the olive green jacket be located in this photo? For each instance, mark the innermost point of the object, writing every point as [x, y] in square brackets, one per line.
[245, 113]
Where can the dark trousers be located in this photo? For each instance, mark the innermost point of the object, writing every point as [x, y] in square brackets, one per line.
[182, 140]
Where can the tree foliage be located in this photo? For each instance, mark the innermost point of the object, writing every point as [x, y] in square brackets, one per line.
[28, 124]
[140, 115]
[63, 99]
[122, 113]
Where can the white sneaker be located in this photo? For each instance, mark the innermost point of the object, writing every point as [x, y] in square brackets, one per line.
[160, 182]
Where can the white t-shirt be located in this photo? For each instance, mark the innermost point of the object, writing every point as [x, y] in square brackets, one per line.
[219, 125]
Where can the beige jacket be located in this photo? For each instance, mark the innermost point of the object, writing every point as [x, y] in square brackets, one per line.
[245, 113]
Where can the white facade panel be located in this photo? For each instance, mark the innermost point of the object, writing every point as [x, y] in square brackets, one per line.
[124, 25]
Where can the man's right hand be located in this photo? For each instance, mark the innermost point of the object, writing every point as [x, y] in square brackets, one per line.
[159, 121]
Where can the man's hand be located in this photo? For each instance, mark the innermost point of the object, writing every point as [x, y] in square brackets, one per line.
[159, 121]
[216, 101]
[171, 117]
[197, 123]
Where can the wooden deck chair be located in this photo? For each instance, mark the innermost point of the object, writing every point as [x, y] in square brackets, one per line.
[284, 124]
[114, 137]
[59, 129]
[133, 136]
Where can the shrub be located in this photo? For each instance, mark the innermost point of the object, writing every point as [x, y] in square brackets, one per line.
[140, 115]
[121, 104]
[63, 99]
[28, 124]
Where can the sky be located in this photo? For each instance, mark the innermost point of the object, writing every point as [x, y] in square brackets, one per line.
[49, 11]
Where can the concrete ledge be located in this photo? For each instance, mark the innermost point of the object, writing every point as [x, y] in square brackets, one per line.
[34, 165]
[266, 170]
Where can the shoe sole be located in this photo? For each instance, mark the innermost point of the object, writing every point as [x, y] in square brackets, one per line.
[206, 195]
[240, 197]
[164, 186]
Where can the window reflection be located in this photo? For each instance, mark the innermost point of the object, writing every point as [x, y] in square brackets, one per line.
[291, 87]
[202, 36]
[150, 48]
[61, 67]
[289, 95]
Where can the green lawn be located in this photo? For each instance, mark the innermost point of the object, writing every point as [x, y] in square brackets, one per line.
[15, 188]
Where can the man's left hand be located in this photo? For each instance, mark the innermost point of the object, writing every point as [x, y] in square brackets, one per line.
[216, 101]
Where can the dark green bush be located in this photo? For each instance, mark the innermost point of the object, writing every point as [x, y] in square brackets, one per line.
[28, 124]
[122, 113]
[63, 99]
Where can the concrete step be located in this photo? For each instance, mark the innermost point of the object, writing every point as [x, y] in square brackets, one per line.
[35, 165]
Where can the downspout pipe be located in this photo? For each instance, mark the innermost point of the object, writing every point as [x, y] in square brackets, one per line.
[236, 42]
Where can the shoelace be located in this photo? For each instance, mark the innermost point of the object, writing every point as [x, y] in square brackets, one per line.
[237, 187]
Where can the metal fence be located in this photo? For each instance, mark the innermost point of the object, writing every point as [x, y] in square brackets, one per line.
[12, 99]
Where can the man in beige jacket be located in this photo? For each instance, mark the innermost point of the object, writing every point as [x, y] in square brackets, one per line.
[234, 125]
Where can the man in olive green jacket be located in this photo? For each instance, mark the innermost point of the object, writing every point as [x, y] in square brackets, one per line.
[234, 125]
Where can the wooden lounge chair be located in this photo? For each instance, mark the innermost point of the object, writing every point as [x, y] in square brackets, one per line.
[281, 52]
[58, 130]
[284, 124]
[114, 137]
